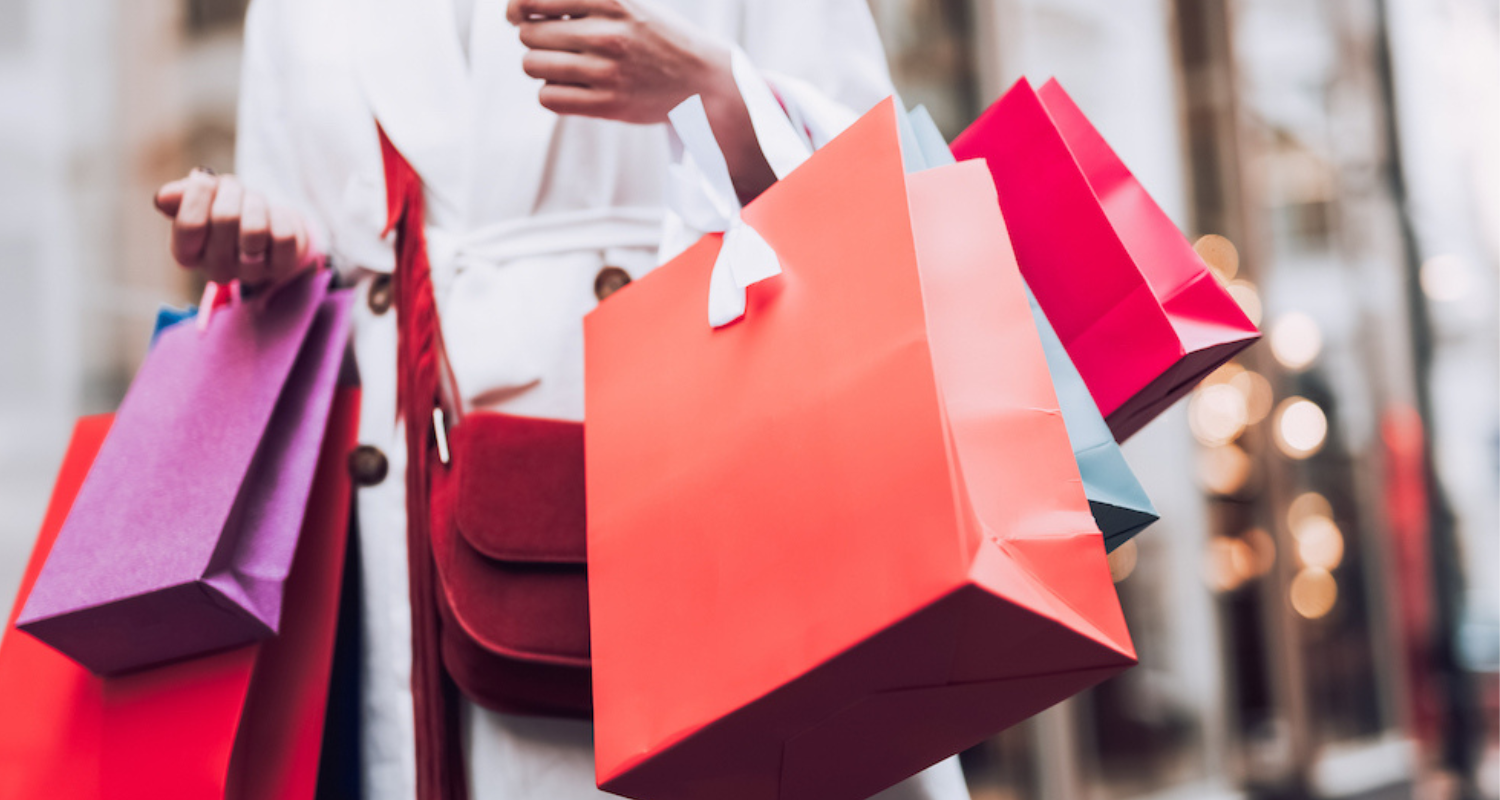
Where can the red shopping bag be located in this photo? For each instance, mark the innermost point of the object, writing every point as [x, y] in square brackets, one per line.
[844, 537]
[1139, 312]
[244, 723]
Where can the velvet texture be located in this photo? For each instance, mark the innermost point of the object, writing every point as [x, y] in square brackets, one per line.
[495, 536]
[508, 537]
[419, 371]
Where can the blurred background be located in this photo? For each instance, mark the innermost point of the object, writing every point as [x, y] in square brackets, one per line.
[1318, 612]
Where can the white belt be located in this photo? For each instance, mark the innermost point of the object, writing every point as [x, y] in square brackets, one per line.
[633, 228]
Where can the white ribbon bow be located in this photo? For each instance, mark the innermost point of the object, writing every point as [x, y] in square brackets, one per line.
[703, 194]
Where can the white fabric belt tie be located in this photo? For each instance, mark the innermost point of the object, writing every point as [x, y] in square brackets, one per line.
[625, 228]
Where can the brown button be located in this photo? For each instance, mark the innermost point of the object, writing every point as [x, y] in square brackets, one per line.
[381, 294]
[610, 280]
[368, 465]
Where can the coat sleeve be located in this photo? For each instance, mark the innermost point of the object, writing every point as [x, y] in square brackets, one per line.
[825, 66]
[823, 59]
[265, 154]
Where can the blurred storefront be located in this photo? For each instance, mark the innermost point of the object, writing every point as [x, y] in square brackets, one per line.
[1316, 613]
[101, 102]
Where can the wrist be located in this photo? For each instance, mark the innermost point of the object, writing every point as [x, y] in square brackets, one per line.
[730, 120]
[714, 80]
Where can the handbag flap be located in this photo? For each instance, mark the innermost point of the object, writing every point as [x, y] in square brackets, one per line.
[520, 492]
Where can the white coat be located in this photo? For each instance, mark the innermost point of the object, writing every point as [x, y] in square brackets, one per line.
[523, 209]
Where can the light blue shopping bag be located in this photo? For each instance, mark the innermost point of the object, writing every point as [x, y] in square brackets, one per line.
[1120, 506]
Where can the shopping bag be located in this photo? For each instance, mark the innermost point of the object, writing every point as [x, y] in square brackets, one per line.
[1117, 500]
[167, 316]
[1119, 503]
[844, 537]
[242, 723]
[182, 535]
[1141, 315]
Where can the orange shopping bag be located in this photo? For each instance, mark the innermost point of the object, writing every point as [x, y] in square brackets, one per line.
[844, 537]
[246, 723]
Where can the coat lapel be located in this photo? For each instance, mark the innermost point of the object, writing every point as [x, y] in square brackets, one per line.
[412, 70]
[512, 143]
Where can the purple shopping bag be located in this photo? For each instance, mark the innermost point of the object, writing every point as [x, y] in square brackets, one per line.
[182, 535]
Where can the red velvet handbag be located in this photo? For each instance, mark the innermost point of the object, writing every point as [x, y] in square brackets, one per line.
[508, 542]
[495, 532]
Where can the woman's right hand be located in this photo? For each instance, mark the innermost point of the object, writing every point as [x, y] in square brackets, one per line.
[230, 232]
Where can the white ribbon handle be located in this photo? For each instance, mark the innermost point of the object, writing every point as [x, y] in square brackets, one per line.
[784, 148]
[702, 191]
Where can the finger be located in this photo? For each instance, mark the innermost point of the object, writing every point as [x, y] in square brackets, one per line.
[255, 238]
[570, 68]
[288, 243]
[569, 35]
[190, 226]
[169, 196]
[578, 100]
[221, 255]
[521, 10]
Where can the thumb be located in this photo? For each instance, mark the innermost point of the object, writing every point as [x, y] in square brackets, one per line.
[169, 197]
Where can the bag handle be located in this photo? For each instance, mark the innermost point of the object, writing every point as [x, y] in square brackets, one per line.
[703, 193]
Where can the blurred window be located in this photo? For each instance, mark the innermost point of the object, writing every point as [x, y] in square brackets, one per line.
[1004, 768]
[1304, 193]
[208, 17]
[1331, 591]
[210, 142]
[1322, 618]
[13, 22]
[1142, 731]
[930, 49]
[20, 321]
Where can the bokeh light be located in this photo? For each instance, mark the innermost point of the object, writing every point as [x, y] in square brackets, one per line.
[1446, 278]
[1231, 562]
[1257, 392]
[1217, 414]
[1122, 561]
[1220, 255]
[1296, 340]
[1262, 550]
[1306, 505]
[1301, 427]
[1226, 372]
[1248, 298]
[1313, 593]
[1320, 543]
[1224, 469]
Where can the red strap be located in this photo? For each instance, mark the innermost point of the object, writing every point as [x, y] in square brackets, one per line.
[419, 348]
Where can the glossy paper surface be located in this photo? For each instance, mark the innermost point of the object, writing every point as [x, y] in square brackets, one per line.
[181, 539]
[1141, 315]
[1119, 503]
[243, 723]
[826, 541]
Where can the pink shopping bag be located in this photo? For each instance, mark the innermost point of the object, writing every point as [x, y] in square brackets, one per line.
[1140, 313]
[182, 536]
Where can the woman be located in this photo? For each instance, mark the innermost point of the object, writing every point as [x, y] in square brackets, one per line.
[536, 129]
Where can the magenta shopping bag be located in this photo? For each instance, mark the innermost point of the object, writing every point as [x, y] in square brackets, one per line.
[182, 534]
[1141, 315]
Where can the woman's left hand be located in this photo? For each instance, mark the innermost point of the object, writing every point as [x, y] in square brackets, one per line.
[624, 60]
